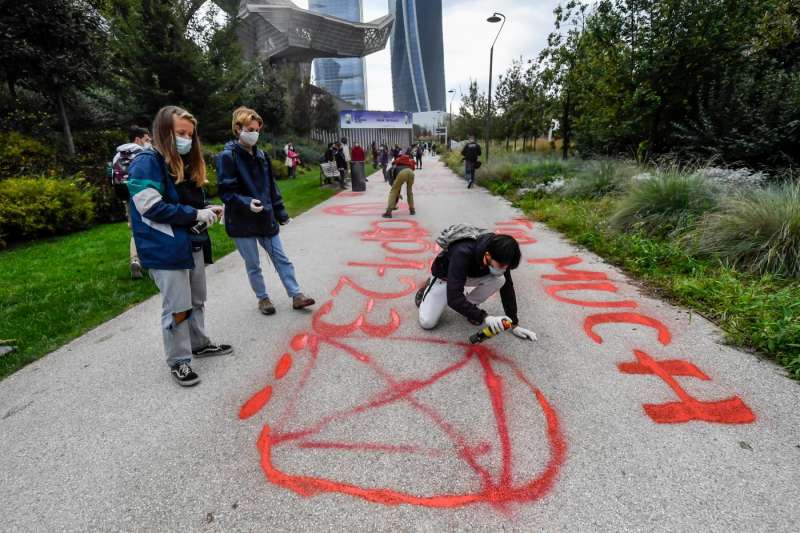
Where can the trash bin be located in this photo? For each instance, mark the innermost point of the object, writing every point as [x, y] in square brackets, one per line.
[358, 180]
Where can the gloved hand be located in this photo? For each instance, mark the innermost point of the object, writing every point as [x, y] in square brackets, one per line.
[206, 215]
[255, 206]
[524, 334]
[495, 323]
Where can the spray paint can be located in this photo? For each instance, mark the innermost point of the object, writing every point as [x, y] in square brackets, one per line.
[486, 333]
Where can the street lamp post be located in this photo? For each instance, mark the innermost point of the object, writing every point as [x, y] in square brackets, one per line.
[496, 17]
[450, 124]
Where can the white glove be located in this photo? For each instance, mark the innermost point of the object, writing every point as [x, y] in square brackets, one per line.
[206, 215]
[495, 323]
[524, 334]
[255, 206]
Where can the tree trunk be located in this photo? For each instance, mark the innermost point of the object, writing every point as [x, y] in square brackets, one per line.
[62, 113]
[507, 141]
[515, 143]
[524, 140]
[12, 89]
[534, 145]
[565, 128]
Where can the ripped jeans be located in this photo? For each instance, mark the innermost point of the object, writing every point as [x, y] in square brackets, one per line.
[183, 291]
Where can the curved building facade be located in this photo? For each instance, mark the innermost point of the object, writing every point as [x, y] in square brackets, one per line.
[417, 55]
[343, 78]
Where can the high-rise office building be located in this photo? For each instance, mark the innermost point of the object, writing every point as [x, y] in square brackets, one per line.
[417, 55]
[343, 78]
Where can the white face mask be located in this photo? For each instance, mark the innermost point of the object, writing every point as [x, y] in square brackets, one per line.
[183, 145]
[250, 138]
[497, 272]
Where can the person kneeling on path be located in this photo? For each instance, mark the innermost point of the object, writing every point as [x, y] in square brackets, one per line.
[254, 209]
[472, 257]
[403, 174]
[169, 216]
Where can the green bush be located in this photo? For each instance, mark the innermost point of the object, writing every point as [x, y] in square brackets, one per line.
[757, 230]
[37, 207]
[211, 176]
[604, 178]
[279, 170]
[21, 155]
[666, 204]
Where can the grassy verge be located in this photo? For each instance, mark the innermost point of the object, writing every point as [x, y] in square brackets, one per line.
[54, 290]
[756, 310]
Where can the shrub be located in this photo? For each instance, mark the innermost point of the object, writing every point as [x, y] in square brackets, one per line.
[279, 170]
[21, 155]
[211, 186]
[37, 207]
[756, 230]
[665, 204]
[601, 179]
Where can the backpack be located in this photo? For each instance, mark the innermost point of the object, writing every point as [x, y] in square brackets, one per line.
[458, 232]
[119, 170]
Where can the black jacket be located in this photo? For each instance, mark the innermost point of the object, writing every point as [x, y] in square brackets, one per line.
[471, 151]
[464, 259]
[244, 176]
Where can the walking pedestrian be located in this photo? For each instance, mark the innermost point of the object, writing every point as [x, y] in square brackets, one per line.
[470, 153]
[170, 217]
[255, 209]
[341, 164]
[418, 154]
[383, 161]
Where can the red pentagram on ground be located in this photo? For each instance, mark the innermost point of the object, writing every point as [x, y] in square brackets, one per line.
[499, 484]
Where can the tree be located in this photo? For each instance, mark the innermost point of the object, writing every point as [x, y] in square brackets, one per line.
[266, 94]
[165, 53]
[53, 47]
[324, 113]
[300, 117]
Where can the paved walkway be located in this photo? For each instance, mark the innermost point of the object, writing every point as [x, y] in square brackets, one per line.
[627, 414]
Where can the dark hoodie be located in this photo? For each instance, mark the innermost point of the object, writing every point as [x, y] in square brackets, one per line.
[243, 176]
[464, 259]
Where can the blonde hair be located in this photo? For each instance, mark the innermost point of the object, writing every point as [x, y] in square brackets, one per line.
[243, 116]
[164, 143]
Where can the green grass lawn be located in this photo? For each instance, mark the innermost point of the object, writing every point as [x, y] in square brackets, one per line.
[54, 290]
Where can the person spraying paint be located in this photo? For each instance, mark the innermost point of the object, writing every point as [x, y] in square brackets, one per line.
[473, 257]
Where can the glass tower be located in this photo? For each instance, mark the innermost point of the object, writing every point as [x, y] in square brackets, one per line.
[343, 78]
[417, 55]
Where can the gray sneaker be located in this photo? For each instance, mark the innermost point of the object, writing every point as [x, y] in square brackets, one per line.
[136, 270]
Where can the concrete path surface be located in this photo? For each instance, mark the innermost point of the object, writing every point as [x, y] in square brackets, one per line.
[628, 414]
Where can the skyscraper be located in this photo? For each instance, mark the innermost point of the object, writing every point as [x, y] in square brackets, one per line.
[417, 55]
[343, 78]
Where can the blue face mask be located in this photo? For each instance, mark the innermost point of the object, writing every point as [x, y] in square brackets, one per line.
[183, 145]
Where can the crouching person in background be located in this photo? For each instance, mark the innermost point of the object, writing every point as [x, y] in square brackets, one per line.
[254, 209]
[169, 217]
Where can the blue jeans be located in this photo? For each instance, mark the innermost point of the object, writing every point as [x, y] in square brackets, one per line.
[248, 249]
[469, 170]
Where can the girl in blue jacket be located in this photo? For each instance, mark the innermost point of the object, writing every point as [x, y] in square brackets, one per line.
[254, 209]
[169, 216]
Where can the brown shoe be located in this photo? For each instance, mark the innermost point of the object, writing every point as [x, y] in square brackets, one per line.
[266, 307]
[301, 301]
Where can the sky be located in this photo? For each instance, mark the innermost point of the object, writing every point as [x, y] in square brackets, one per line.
[467, 39]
